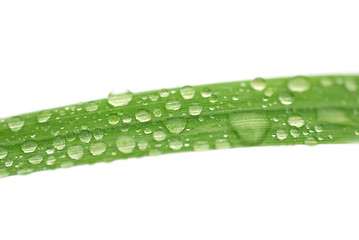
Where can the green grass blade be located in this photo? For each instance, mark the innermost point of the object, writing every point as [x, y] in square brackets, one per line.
[285, 111]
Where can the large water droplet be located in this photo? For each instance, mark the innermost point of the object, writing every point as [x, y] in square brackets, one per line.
[176, 125]
[97, 148]
[43, 116]
[298, 84]
[173, 104]
[187, 92]
[3, 152]
[296, 121]
[143, 116]
[195, 109]
[119, 99]
[159, 135]
[15, 123]
[75, 152]
[251, 127]
[35, 159]
[29, 146]
[59, 143]
[125, 144]
[258, 84]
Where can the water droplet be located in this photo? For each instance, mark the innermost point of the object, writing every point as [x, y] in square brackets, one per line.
[251, 127]
[326, 82]
[351, 84]
[85, 136]
[258, 84]
[157, 112]
[298, 84]
[71, 136]
[201, 146]
[8, 163]
[222, 143]
[175, 144]
[75, 152]
[50, 160]
[187, 92]
[15, 123]
[3, 152]
[119, 99]
[159, 135]
[97, 148]
[91, 106]
[66, 164]
[126, 119]
[154, 97]
[43, 116]
[310, 141]
[97, 134]
[29, 146]
[286, 98]
[164, 93]
[282, 134]
[59, 143]
[195, 109]
[206, 92]
[176, 125]
[125, 144]
[143, 116]
[333, 116]
[294, 132]
[173, 104]
[142, 144]
[268, 92]
[296, 121]
[113, 119]
[35, 159]
[318, 128]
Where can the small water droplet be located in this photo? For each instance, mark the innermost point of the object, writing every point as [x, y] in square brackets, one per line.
[113, 119]
[201, 146]
[164, 93]
[91, 106]
[258, 84]
[157, 112]
[75, 152]
[4, 173]
[195, 109]
[296, 121]
[125, 144]
[310, 141]
[187, 92]
[175, 144]
[143, 116]
[351, 84]
[50, 160]
[120, 99]
[43, 116]
[29, 146]
[318, 128]
[97, 148]
[173, 104]
[35, 159]
[298, 84]
[59, 143]
[142, 144]
[282, 134]
[222, 143]
[326, 82]
[85, 136]
[159, 135]
[15, 123]
[268, 92]
[3, 152]
[176, 125]
[97, 134]
[126, 119]
[206, 92]
[286, 98]
[294, 132]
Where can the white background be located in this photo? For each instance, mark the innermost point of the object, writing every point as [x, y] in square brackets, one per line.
[54, 53]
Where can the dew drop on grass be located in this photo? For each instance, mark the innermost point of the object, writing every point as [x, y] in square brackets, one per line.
[251, 127]
[351, 84]
[29, 146]
[59, 143]
[206, 92]
[50, 160]
[157, 112]
[310, 141]
[318, 128]
[126, 119]
[91, 106]
[333, 116]
[142, 144]
[97, 134]
[326, 82]
[43, 116]
[3, 152]
[125, 144]
[35, 159]
[201, 146]
[119, 99]
[268, 92]
[97, 148]
[159, 135]
[4, 173]
[294, 132]
[173, 104]
[195, 109]
[296, 121]
[187, 92]
[113, 119]
[85, 136]
[258, 84]
[164, 93]
[222, 143]
[282, 134]
[298, 84]
[143, 116]
[15, 123]
[176, 125]
[175, 144]
[286, 98]
[75, 152]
